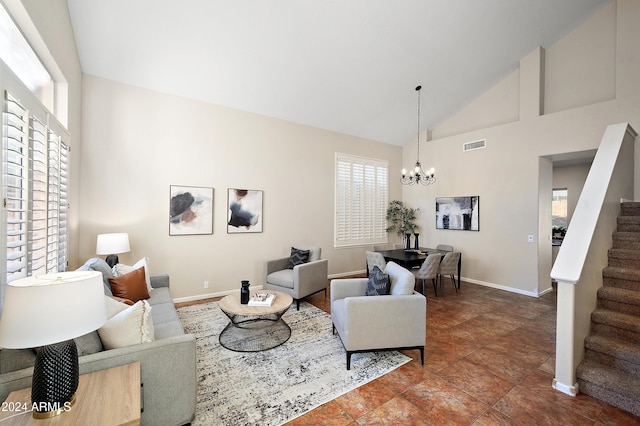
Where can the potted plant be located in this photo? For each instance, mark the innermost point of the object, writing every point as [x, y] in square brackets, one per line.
[401, 219]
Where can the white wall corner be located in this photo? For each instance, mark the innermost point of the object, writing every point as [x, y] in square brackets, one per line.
[532, 84]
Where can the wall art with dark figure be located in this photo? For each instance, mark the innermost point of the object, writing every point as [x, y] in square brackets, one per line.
[190, 210]
[245, 211]
[461, 213]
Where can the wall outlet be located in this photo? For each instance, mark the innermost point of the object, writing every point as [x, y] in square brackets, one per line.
[206, 284]
[530, 238]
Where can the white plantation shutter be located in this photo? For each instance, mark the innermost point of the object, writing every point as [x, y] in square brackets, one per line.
[35, 191]
[37, 263]
[63, 224]
[360, 201]
[15, 147]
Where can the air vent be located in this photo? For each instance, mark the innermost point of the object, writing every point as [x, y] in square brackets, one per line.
[470, 146]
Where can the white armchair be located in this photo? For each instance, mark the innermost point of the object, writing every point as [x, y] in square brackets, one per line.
[373, 323]
[301, 281]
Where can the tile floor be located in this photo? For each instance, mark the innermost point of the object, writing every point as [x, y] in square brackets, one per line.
[489, 360]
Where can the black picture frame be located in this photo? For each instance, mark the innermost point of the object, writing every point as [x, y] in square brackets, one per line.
[458, 213]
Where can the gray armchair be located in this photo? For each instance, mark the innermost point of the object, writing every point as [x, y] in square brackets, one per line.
[373, 323]
[301, 281]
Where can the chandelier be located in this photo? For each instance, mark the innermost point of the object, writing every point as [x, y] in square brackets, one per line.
[418, 175]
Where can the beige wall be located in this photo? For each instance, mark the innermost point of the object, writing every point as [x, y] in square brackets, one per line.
[506, 174]
[136, 143]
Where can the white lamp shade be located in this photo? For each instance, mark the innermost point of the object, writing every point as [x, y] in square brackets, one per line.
[113, 243]
[46, 309]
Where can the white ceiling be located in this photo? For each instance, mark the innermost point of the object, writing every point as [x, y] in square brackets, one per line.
[345, 65]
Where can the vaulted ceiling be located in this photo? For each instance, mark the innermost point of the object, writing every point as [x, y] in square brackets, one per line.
[349, 66]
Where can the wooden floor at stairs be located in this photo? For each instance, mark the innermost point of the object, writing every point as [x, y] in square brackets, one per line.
[610, 371]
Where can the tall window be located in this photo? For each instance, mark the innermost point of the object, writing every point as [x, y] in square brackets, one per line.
[35, 167]
[361, 200]
[559, 219]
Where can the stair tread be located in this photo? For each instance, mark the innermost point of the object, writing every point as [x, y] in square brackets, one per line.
[621, 272]
[614, 346]
[609, 378]
[621, 295]
[616, 319]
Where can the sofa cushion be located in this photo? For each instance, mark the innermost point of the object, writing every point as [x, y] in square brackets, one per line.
[97, 264]
[282, 278]
[131, 286]
[131, 326]
[88, 344]
[402, 280]
[378, 283]
[298, 257]
[121, 269]
[163, 313]
[168, 329]
[160, 295]
[16, 359]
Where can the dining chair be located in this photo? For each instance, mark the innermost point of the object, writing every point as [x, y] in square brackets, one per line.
[444, 247]
[449, 266]
[375, 259]
[429, 271]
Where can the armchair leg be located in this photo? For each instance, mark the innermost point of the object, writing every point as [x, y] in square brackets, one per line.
[422, 354]
[297, 304]
[349, 360]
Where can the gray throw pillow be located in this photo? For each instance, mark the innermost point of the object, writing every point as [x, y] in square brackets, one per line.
[378, 283]
[298, 257]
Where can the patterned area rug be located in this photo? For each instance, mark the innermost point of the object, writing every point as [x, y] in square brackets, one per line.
[275, 386]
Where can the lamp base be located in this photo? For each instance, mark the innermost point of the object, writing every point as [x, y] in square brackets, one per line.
[112, 260]
[55, 379]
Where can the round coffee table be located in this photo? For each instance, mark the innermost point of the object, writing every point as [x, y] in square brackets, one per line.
[255, 328]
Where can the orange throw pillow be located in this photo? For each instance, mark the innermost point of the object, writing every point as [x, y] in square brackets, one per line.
[130, 286]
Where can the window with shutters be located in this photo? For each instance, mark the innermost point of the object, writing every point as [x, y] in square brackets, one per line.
[361, 199]
[35, 170]
[35, 154]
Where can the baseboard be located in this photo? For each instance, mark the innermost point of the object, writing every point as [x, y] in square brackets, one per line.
[347, 274]
[501, 287]
[569, 390]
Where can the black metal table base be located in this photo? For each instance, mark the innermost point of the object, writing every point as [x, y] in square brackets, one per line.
[254, 334]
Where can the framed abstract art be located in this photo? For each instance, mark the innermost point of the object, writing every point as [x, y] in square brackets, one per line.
[461, 213]
[244, 213]
[190, 210]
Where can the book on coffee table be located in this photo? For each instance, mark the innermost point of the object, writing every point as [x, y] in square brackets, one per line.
[262, 299]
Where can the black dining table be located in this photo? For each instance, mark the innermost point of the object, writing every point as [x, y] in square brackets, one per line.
[414, 258]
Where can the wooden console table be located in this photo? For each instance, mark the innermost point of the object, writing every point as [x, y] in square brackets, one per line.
[104, 398]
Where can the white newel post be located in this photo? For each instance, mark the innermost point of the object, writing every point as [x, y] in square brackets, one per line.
[565, 377]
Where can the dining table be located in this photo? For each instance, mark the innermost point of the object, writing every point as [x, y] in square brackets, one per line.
[414, 258]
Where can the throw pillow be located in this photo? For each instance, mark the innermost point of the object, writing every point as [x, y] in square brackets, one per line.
[298, 257]
[121, 269]
[131, 326]
[113, 306]
[378, 283]
[130, 286]
[97, 264]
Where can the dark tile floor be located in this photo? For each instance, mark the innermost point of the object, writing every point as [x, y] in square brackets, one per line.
[489, 360]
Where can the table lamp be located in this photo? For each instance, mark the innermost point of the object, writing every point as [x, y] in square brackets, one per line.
[112, 245]
[49, 311]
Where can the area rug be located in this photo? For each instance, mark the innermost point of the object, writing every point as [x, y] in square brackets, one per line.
[278, 385]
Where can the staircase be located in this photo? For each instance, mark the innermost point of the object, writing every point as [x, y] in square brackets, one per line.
[610, 371]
